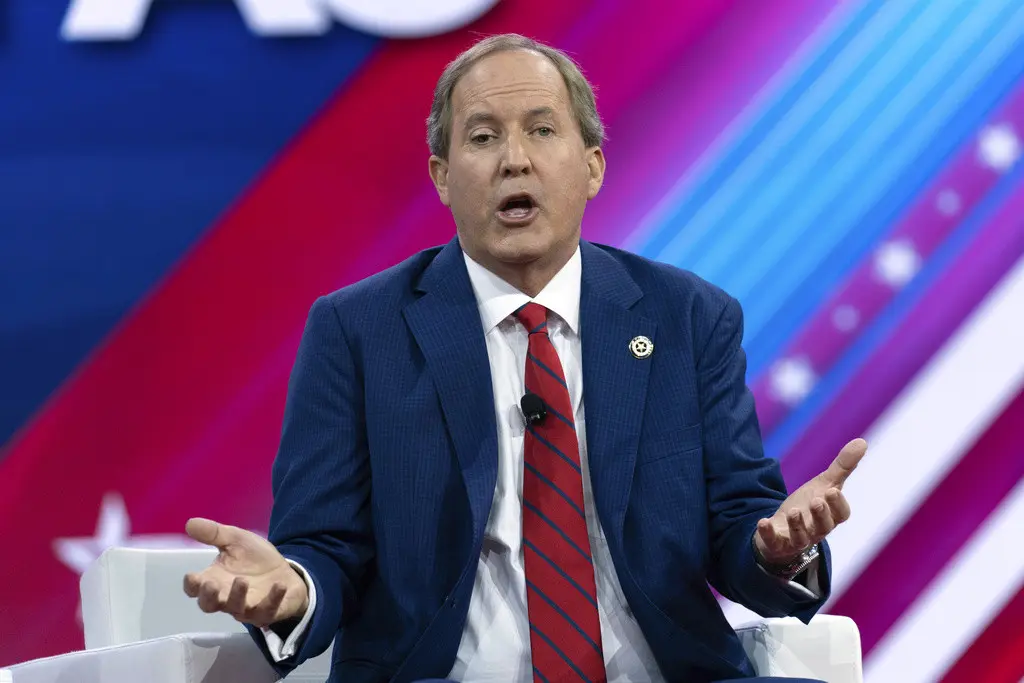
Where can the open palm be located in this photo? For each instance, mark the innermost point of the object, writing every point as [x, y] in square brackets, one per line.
[811, 512]
[250, 579]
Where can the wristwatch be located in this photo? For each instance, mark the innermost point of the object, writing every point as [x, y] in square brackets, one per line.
[787, 570]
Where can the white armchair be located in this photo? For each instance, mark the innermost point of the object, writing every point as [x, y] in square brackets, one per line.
[185, 658]
[132, 595]
[138, 620]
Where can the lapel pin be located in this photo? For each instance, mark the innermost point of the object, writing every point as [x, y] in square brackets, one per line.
[641, 347]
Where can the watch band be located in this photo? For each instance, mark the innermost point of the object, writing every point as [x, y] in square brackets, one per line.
[787, 570]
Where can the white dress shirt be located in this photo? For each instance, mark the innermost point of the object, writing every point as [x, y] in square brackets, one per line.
[495, 643]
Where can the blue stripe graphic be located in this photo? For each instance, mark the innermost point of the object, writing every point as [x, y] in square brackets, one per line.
[554, 487]
[562, 612]
[558, 569]
[554, 412]
[560, 653]
[554, 450]
[533, 508]
[547, 369]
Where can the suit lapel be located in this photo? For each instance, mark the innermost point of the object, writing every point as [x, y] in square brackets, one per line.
[614, 380]
[446, 324]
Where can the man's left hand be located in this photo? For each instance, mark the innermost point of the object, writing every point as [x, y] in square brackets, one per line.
[811, 512]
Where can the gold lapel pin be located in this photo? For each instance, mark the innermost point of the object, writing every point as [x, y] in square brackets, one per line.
[641, 347]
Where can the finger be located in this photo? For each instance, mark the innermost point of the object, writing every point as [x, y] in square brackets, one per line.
[770, 540]
[846, 462]
[192, 584]
[209, 597]
[211, 533]
[798, 536]
[235, 604]
[822, 523]
[265, 613]
[766, 530]
[838, 504]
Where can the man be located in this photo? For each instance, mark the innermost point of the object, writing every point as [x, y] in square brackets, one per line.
[444, 505]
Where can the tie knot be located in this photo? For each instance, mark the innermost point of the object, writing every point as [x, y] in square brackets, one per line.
[534, 317]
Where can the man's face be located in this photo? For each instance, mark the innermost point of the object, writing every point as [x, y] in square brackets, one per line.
[518, 176]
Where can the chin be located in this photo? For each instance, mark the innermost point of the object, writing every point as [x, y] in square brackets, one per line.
[521, 248]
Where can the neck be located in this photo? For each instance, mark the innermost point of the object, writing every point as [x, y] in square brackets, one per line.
[529, 277]
[529, 281]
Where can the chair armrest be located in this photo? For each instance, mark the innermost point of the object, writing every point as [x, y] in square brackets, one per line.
[184, 658]
[135, 594]
[827, 649]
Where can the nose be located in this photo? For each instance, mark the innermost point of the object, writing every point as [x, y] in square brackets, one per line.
[516, 160]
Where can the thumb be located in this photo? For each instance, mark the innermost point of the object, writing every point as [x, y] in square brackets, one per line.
[846, 462]
[211, 533]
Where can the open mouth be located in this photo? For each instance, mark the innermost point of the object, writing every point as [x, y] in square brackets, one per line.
[517, 209]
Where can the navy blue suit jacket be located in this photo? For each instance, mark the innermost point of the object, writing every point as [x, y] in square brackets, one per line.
[388, 461]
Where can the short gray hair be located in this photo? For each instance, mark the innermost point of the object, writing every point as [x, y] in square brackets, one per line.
[581, 93]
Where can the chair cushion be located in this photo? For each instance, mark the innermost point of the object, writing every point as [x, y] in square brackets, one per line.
[191, 658]
[828, 648]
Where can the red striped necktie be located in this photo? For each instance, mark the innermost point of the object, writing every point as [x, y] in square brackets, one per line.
[565, 629]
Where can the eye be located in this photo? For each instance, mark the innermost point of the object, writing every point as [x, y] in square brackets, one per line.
[480, 138]
[544, 131]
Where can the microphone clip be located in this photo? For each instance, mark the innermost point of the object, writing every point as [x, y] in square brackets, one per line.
[534, 410]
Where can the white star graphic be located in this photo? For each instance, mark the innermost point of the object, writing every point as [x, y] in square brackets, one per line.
[948, 202]
[845, 318]
[112, 530]
[896, 263]
[999, 147]
[792, 379]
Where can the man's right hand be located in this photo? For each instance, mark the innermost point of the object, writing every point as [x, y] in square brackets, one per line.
[250, 579]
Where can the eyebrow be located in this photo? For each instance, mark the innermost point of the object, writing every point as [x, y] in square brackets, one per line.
[486, 117]
[478, 118]
[538, 112]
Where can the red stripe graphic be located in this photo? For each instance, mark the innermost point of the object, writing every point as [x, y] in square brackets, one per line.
[958, 506]
[180, 409]
[997, 656]
[189, 390]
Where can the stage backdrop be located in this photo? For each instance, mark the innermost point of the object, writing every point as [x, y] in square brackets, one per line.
[180, 180]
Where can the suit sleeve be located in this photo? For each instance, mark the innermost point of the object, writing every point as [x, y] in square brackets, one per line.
[321, 481]
[743, 485]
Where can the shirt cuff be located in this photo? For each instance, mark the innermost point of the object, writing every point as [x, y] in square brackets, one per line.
[279, 649]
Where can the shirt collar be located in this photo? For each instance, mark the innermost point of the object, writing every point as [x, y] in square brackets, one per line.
[497, 299]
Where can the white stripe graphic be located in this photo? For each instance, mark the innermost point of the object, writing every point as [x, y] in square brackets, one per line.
[931, 425]
[927, 429]
[954, 610]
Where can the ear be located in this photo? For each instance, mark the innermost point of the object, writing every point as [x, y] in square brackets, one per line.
[596, 164]
[439, 174]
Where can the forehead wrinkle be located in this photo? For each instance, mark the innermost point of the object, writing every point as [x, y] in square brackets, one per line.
[526, 86]
[545, 98]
